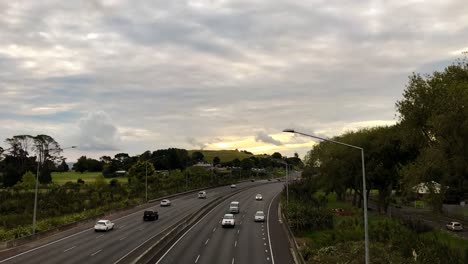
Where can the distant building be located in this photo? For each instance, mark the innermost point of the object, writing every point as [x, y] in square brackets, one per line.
[203, 165]
[121, 173]
[425, 188]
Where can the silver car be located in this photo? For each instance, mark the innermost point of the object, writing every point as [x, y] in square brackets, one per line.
[259, 216]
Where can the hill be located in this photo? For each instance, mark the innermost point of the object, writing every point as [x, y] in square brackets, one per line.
[223, 155]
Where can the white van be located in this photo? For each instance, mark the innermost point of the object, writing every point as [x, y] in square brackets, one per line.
[234, 207]
[202, 195]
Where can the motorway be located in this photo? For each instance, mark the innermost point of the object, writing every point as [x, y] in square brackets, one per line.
[247, 242]
[130, 232]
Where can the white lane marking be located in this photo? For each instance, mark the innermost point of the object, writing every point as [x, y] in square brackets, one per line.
[186, 232]
[266, 251]
[238, 231]
[232, 262]
[240, 223]
[69, 249]
[214, 229]
[99, 236]
[70, 236]
[235, 244]
[197, 259]
[96, 252]
[263, 238]
[207, 241]
[122, 226]
[268, 258]
[123, 238]
[268, 229]
[263, 234]
[243, 216]
[264, 244]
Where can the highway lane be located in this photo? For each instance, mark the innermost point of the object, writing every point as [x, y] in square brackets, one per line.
[247, 242]
[130, 232]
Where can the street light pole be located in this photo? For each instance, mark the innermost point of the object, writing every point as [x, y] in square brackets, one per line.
[364, 192]
[287, 185]
[37, 186]
[146, 181]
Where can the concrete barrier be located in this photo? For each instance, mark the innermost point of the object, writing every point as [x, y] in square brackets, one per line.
[151, 250]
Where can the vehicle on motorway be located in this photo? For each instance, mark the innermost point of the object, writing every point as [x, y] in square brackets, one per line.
[258, 197]
[165, 202]
[454, 226]
[150, 215]
[234, 207]
[228, 220]
[103, 225]
[233, 186]
[259, 216]
[202, 195]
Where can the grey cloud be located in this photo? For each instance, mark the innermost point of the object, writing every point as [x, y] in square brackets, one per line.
[264, 137]
[154, 64]
[97, 132]
[195, 143]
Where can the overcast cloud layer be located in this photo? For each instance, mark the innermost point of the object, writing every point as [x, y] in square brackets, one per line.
[128, 76]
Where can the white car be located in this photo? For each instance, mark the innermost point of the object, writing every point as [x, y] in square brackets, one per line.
[103, 225]
[228, 220]
[258, 197]
[202, 195]
[259, 216]
[233, 186]
[165, 202]
[454, 226]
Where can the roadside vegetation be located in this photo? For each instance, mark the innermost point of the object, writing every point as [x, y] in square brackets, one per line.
[427, 147]
[99, 186]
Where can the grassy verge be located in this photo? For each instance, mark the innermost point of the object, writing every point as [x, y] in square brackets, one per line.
[390, 240]
[89, 177]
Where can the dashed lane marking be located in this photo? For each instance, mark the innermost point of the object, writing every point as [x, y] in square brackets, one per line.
[207, 241]
[197, 259]
[235, 244]
[69, 249]
[96, 252]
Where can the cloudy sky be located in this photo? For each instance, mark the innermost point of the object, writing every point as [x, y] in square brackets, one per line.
[128, 76]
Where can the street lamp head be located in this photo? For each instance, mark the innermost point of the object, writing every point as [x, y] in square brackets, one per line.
[289, 130]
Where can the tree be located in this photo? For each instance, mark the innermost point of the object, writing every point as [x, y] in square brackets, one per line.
[63, 167]
[276, 155]
[434, 116]
[140, 169]
[48, 152]
[28, 181]
[197, 156]
[81, 164]
[216, 160]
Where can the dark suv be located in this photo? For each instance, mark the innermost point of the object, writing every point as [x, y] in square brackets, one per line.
[150, 215]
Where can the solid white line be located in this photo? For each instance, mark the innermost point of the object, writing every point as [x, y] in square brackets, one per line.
[69, 249]
[235, 244]
[67, 237]
[96, 252]
[207, 241]
[268, 228]
[186, 232]
[197, 259]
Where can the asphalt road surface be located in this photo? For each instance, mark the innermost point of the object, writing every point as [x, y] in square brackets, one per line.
[248, 242]
[129, 232]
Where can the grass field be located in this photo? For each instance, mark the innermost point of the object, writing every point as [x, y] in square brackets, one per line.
[223, 155]
[88, 177]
